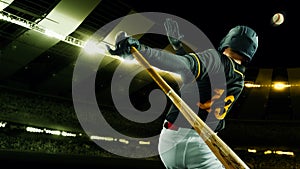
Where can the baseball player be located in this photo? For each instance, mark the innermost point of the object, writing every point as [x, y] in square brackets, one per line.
[180, 146]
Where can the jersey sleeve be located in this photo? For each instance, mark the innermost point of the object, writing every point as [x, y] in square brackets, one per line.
[185, 65]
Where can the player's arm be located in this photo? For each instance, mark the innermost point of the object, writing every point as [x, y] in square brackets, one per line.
[186, 65]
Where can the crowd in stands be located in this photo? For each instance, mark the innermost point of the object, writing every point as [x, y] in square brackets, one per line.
[19, 107]
[36, 109]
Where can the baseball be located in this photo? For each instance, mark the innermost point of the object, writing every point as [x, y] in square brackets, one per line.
[277, 19]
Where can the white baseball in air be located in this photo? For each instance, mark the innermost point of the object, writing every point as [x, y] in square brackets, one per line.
[277, 19]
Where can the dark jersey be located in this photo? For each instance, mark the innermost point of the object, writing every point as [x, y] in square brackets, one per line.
[212, 82]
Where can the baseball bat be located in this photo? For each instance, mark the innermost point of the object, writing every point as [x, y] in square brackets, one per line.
[222, 151]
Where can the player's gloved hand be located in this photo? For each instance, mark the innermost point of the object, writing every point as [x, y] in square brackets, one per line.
[173, 34]
[123, 45]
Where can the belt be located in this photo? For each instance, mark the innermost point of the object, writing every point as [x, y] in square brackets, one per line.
[169, 125]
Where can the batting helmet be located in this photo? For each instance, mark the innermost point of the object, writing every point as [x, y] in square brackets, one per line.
[241, 39]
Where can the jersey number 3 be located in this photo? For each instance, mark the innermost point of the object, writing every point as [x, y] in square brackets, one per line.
[217, 110]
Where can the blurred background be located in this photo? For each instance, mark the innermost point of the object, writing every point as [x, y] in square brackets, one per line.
[42, 41]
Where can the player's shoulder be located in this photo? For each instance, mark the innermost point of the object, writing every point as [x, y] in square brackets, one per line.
[209, 54]
[212, 52]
